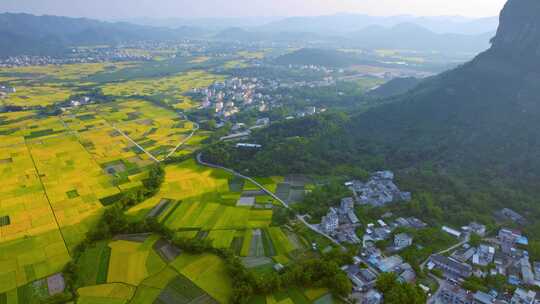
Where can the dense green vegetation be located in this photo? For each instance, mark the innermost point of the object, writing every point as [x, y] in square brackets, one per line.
[398, 293]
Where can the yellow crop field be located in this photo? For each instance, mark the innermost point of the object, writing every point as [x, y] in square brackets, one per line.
[188, 182]
[208, 272]
[169, 89]
[74, 183]
[68, 71]
[38, 95]
[127, 263]
[106, 293]
[31, 245]
[130, 262]
[17, 127]
[221, 238]
[157, 130]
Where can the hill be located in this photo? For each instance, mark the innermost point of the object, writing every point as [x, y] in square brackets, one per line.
[51, 35]
[320, 57]
[467, 141]
[414, 37]
[243, 35]
[484, 114]
[396, 86]
[347, 23]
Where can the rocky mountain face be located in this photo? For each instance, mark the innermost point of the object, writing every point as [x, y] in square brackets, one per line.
[484, 115]
[519, 31]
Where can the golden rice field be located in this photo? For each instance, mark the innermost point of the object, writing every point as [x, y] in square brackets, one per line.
[128, 262]
[66, 72]
[190, 183]
[136, 273]
[21, 127]
[74, 184]
[31, 246]
[169, 89]
[156, 129]
[37, 95]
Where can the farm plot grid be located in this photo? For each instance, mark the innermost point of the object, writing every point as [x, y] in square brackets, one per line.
[157, 130]
[170, 90]
[136, 273]
[31, 244]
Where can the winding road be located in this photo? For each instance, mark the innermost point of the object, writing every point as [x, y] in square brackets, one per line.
[270, 193]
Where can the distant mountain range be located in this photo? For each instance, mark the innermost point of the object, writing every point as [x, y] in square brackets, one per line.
[328, 25]
[410, 36]
[347, 23]
[51, 35]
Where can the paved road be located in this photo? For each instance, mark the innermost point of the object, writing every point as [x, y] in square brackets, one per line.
[180, 144]
[136, 144]
[270, 193]
[195, 129]
[466, 240]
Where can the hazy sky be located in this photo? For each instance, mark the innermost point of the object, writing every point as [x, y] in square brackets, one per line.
[240, 8]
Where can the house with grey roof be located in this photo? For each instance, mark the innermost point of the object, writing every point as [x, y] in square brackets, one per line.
[483, 298]
[454, 295]
[402, 240]
[450, 267]
[522, 296]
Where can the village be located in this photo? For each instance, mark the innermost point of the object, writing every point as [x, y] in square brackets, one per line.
[476, 253]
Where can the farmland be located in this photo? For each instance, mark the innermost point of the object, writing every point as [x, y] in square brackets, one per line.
[136, 273]
[31, 245]
[59, 171]
[64, 165]
[169, 89]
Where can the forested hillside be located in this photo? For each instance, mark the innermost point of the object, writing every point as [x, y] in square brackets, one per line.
[470, 137]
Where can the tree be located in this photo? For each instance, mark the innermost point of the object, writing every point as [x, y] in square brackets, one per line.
[395, 292]
[475, 240]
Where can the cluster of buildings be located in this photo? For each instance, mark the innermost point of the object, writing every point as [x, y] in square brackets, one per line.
[238, 93]
[507, 214]
[502, 255]
[383, 231]
[228, 97]
[453, 294]
[367, 268]
[379, 190]
[341, 223]
[97, 55]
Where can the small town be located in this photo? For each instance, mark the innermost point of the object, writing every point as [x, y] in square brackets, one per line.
[493, 254]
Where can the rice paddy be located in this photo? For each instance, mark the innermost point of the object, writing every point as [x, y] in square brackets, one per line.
[60, 172]
[137, 274]
[168, 89]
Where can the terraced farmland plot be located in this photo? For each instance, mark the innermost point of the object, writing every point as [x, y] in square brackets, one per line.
[74, 184]
[31, 246]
